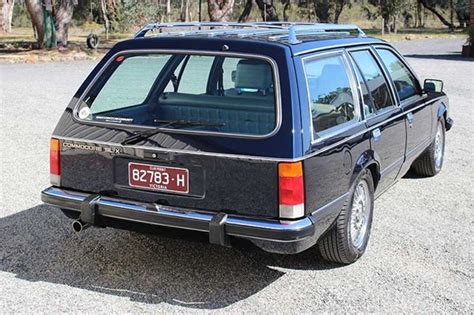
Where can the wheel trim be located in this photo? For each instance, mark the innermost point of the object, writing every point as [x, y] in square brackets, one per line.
[439, 147]
[360, 212]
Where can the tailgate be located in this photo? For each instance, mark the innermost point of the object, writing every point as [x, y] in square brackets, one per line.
[203, 181]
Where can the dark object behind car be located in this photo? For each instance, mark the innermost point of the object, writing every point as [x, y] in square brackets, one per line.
[283, 135]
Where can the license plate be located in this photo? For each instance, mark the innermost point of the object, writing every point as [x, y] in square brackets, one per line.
[156, 177]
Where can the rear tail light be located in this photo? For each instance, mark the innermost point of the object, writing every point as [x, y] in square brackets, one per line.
[291, 190]
[54, 162]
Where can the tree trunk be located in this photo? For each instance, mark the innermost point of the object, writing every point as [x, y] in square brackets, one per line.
[246, 12]
[184, 15]
[168, 10]
[220, 10]
[321, 8]
[63, 19]
[36, 12]
[109, 11]
[268, 10]
[438, 15]
[340, 4]
[286, 7]
[6, 15]
[103, 13]
[419, 15]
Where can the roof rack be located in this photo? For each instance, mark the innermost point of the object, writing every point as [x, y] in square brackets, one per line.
[274, 30]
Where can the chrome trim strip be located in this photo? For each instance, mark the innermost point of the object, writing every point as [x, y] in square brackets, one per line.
[249, 157]
[324, 208]
[387, 169]
[423, 145]
[276, 81]
[387, 78]
[185, 214]
[308, 51]
[171, 150]
[56, 192]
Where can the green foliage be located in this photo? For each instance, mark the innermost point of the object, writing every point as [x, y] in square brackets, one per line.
[470, 35]
[462, 8]
[20, 17]
[131, 14]
[138, 13]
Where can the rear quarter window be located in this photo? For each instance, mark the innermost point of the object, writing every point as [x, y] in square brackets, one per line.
[331, 95]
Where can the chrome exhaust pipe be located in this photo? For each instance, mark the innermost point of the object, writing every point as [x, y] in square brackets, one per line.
[79, 226]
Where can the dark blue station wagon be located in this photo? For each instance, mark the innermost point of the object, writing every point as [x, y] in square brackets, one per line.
[282, 134]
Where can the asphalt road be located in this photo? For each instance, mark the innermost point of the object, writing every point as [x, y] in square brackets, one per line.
[419, 259]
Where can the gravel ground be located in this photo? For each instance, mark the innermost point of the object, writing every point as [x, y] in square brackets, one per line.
[419, 258]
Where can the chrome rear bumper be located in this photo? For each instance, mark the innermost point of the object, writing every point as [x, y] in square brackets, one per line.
[218, 225]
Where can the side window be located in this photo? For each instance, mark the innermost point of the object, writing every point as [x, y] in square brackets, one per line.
[330, 92]
[378, 97]
[195, 75]
[405, 82]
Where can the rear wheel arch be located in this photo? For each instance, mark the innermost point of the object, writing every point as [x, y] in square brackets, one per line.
[441, 109]
[375, 171]
[367, 160]
[442, 112]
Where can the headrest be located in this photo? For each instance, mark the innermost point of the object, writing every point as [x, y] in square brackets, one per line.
[332, 77]
[253, 74]
[329, 70]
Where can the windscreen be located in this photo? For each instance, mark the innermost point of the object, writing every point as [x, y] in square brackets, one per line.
[202, 93]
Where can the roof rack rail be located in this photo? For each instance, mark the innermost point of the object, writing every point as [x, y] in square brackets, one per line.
[276, 30]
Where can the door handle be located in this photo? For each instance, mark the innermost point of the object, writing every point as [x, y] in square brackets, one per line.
[410, 119]
[376, 135]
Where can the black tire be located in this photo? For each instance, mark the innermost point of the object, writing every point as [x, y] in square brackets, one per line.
[92, 41]
[426, 164]
[337, 245]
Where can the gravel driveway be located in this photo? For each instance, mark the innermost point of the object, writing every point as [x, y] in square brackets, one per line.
[419, 259]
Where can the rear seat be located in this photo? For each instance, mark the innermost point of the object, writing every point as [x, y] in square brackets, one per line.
[248, 108]
[248, 115]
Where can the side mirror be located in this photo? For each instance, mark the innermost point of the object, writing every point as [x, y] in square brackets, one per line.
[433, 85]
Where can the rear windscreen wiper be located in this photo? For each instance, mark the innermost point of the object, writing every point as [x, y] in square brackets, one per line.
[182, 122]
[142, 135]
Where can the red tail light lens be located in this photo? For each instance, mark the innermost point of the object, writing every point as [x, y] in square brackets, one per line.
[54, 161]
[291, 190]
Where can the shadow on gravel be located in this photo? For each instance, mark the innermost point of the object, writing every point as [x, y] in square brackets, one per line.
[454, 56]
[38, 245]
[411, 174]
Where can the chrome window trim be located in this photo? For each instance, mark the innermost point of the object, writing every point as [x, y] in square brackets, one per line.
[330, 132]
[276, 82]
[313, 50]
[246, 157]
[405, 63]
[388, 80]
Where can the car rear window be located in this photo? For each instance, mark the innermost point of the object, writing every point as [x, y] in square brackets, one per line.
[201, 93]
